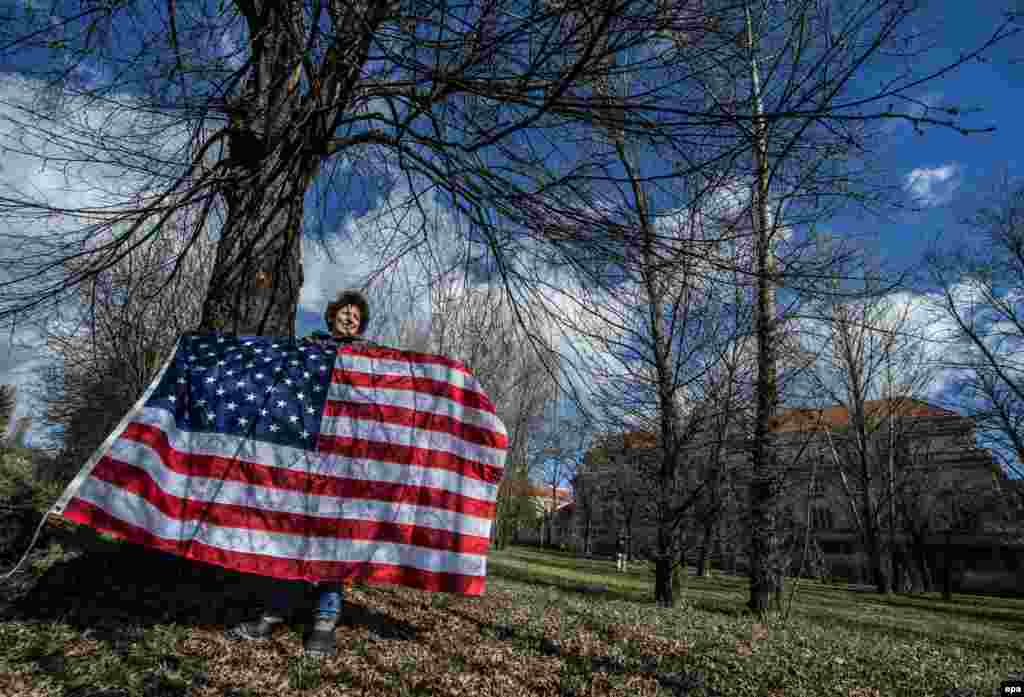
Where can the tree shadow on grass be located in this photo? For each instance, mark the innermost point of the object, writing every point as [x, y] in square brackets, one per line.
[125, 588]
[985, 609]
[577, 564]
[606, 592]
[867, 626]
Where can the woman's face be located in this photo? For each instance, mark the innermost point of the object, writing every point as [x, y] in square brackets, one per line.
[346, 320]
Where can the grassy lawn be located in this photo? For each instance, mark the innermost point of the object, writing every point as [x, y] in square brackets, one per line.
[129, 622]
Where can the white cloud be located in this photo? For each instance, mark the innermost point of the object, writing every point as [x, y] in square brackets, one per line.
[933, 186]
[59, 162]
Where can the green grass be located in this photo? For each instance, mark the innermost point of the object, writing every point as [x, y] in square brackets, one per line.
[967, 620]
[900, 644]
[153, 625]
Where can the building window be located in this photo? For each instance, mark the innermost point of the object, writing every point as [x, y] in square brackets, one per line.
[821, 519]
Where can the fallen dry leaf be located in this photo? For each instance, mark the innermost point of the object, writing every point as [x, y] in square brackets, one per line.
[864, 692]
[776, 692]
[758, 632]
[743, 648]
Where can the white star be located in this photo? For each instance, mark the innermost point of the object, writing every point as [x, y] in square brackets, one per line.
[250, 364]
[232, 406]
[247, 343]
[240, 383]
[230, 372]
[259, 376]
[280, 403]
[278, 369]
[242, 421]
[220, 391]
[263, 412]
[274, 428]
[221, 362]
[306, 374]
[274, 345]
[181, 381]
[258, 351]
[305, 434]
[293, 362]
[288, 381]
[250, 397]
[220, 340]
[316, 388]
[209, 380]
[201, 402]
[198, 368]
[293, 418]
[301, 395]
[323, 368]
[310, 410]
[172, 398]
[210, 416]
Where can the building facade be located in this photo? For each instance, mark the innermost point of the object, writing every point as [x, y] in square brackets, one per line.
[540, 499]
[918, 463]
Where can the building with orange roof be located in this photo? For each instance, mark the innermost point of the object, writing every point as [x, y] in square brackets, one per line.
[540, 497]
[936, 448]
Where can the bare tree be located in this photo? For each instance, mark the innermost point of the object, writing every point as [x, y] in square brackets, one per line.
[253, 104]
[474, 324]
[982, 298]
[561, 440]
[8, 400]
[109, 346]
[789, 76]
[662, 332]
[729, 384]
[876, 370]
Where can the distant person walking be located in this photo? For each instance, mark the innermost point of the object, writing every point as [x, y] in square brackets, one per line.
[621, 560]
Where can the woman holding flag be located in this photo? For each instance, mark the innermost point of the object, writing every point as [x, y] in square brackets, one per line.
[346, 319]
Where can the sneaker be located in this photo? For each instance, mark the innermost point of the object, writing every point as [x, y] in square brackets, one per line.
[256, 630]
[321, 642]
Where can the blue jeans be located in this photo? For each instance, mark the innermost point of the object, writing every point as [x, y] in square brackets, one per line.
[329, 598]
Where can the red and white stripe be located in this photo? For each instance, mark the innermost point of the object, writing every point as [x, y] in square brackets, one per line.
[400, 489]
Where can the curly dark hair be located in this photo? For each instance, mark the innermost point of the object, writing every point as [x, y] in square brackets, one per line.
[348, 297]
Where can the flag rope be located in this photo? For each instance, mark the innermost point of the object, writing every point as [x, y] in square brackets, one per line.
[62, 501]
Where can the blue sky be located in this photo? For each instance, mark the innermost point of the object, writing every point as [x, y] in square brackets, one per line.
[950, 166]
[971, 162]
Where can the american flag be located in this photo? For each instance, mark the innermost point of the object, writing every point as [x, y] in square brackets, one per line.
[294, 460]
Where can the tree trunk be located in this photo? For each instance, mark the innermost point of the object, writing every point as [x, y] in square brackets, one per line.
[899, 578]
[257, 275]
[765, 581]
[255, 284]
[663, 582]
[879, 578]
[947, 570]
[705, 547]
[663, 565]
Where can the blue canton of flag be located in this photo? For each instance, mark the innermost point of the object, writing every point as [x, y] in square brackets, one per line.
[257, 387]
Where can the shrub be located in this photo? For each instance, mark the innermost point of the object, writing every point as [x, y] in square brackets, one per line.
[19, 484]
